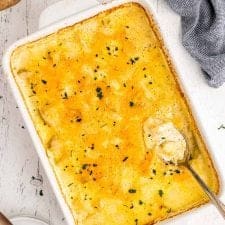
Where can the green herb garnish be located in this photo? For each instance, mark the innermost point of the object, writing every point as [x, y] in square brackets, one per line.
[65, 96]
[44, 81]
[160, 193]
[125, 159]
[132, 191]
[78, 119]
[169, 210]
[131, 104]
[141, 202]
[133, 60]
[84, 166]
[221, 127]
[99, 93]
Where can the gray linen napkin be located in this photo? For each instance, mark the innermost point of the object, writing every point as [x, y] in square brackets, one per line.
[203, 35]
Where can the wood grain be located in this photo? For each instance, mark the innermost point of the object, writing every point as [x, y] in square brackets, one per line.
[20, 170]
[24, 188]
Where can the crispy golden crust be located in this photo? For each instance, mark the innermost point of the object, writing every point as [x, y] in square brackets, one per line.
[7, 3]
[89, 88]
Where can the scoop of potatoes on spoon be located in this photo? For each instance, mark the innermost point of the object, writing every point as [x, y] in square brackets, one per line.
[171, 147]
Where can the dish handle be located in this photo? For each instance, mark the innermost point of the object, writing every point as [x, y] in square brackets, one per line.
[65, 8]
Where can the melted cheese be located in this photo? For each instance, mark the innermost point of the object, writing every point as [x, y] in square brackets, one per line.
[89, 88]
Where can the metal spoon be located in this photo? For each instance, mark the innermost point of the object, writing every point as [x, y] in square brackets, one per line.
[4, 220]
[214, 199]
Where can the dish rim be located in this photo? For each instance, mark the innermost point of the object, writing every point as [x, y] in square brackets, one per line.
[70, 21]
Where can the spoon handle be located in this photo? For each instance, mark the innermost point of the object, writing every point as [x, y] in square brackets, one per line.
[219, 205]
[4, 220]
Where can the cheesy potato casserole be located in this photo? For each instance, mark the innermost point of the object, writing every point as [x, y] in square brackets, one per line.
[102, 95]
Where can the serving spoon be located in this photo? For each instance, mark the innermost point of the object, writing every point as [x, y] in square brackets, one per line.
[173, 148]
[214, 199]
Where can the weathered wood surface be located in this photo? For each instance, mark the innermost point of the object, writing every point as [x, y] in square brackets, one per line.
[24, 188]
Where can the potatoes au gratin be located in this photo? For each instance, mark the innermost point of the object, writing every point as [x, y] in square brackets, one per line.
[90, 89]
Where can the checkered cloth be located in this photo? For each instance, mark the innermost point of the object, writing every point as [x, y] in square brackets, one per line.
[203, 35]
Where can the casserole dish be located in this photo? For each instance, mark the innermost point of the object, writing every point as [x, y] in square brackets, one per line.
[65, 96]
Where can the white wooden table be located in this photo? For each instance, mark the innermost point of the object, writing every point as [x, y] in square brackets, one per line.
[19, 165]
[24, 189]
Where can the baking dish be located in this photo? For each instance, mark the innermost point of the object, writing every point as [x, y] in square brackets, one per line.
[45, 32]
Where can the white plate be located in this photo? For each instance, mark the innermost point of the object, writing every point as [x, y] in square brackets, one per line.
[27, 221]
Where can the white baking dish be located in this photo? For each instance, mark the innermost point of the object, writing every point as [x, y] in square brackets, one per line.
[80, 10]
